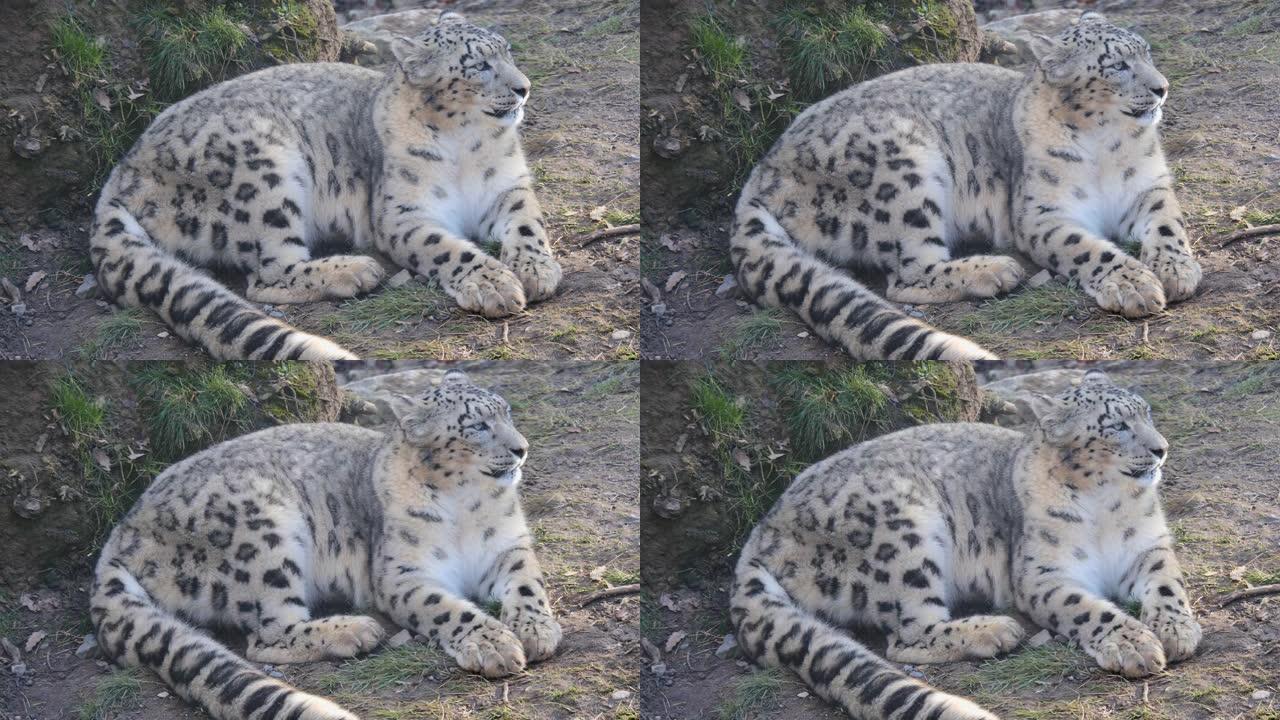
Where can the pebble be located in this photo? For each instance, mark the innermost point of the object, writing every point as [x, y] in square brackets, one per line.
[400, 639]
[1260, 334]
[162, 334]
[727, 646]
[803, 334]
[18, 309]
[658, 669]
[658, 309]
[19, 669]
[620, 695]
[102, 304]
[88, 287]
[802, 694]
[276, 674]
[88, 647]
[1044, 637]
[620, 334]
[728, 285]
[1260, 694]
[276, 313]
[162, 694]
[1040, 279]
[400, 279]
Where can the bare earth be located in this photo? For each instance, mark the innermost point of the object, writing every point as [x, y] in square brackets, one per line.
[1222, 135]
[1223, 425]
[580, 493]
[580, 136]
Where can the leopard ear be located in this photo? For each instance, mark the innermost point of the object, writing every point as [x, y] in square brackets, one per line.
[1053, 416]
[1097, 377]
[455, 377]
[1051, 56]
[407, 50]
[451, 17]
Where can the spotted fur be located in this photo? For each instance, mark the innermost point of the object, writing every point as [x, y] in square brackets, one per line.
[899, 533]
[256, 533]
[264, 173]
[899, 173]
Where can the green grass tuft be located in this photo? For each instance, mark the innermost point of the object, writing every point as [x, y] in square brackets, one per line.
[826, 52]
[187, 53]
[189, 408]
[112, 694]
[122, 327]
[752, 691]
[1047, 664]
[78, 50]
[386, 668]
[79, 413]
[722, 53]
[1050, 303]
[391, 306]
[717, 407]
[758, 328]
[829, 409]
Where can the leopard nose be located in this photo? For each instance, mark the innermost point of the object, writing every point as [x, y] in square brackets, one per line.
[519, 452]
[522, 91]
[1158, 452]
[1160, 91]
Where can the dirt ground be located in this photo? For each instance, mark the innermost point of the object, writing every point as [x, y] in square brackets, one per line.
[1220, 493]
[1222, 136]
[580, 136]
[580, 493]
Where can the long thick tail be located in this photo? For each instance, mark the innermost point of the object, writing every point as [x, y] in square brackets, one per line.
[133, 270]
[773, 269]
[133, 630]
[773, 630]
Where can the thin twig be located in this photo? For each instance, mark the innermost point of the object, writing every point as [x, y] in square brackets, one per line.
[610, 593]
[1239, 235]
[1252, 592]
[598, 235]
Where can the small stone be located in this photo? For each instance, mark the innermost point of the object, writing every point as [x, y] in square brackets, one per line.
[400, 639]
[103, 304]
[742, 664]
[1040, 279]
[19, 669]
[88, 647]
[162, 694]
[915, 313]
[162, 334]
[620, 334]
[802, 694]
[18, 309]
[1260, 695]
[27, 506]
[743, 304]
[658, 669]
[102, 664]
[400, 279]
[1044, 637]
[728, 285]
[14, 653]
[1260, 334]
[276, 313]
[276, 674]
[727, 646]
[802, 334]
[658, 309]
[916, 674]
[620, 695]
[88, 287]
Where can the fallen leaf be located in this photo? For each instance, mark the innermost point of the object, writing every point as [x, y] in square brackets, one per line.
[28, 241]
[741, 99]
[675, 279]
[597, 213]
[597, 573]
[34, 641]
[30, 602]
[40, 81]
[773, 95]
[773, 455]
[100, 457]
[680, 81]
[673, 640]
[668, 602]
[742, 459]
[1237, 213]
[680, 441]
[1237, 573]
[100, 97]
[40, 441]
[35, 279]
[134, 454]
[134, 94]
[668, 241]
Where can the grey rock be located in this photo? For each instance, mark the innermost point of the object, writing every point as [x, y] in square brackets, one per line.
[728, 647]
[727, 286]
[400, 639]
[27, 506]
[88, 647]
[88, 287]
[400, 279]
[19, 309]
[1018, 31]
[381, 394]
[1040, 279]
[378, 32]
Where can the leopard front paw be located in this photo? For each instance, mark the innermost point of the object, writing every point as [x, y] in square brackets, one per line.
[540, 634]
[489, 649]
[995, 276]
[1179, 273]
[1131, 290]
[1179, 634]
[353, 275]
[492, 290]
[539, 273]
[1133, 651]
[352, 635]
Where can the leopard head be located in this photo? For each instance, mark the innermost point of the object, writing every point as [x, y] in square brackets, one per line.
[464, 68]
[1104, 70]
[463, 430]
[1104, 429]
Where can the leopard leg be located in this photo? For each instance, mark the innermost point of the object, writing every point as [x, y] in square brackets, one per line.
[477, 641]
[515, 579]
[1155, 220]
[515, 221]
[478, 282]
[976, 636]
[289, 277]
[930, 280]
[304, 640]
[1155, 580]
[1118, 282]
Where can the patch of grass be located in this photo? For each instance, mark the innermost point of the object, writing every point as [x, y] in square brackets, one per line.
[609, 26]
[1259, 379]
[79, 413]
[616, 577]
[1050, 303]
[758, 328]
[621, 217]
[391, 306]
[750, 693]
[492, 608]
[1132, 607]
[121, 327]
[10, 620]
[111, 695]
[76, 47]
[186, 53]
[1262, 217]
[827, 51]
[384, 669]
[1047, 664]
[831, 408]
[722, 53]
[716, 406]
[10, 262]
[189, 408]
[1262, 577]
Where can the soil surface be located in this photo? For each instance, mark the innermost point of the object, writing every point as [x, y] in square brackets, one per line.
[1223, 425]
[1222, 137]
[580, 494]
[580, 135]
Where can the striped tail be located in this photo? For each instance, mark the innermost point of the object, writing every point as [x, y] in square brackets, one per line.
[134, 631]
[773, 630]
[773, 269]
[133, 270]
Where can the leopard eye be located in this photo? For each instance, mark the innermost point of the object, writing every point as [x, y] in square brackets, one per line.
[1121, 426]
[1120, 66]
[484, 66]
[479, 427]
